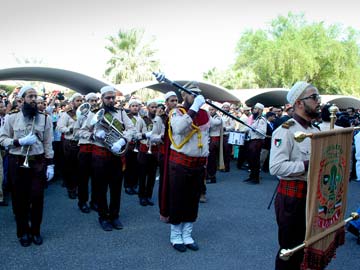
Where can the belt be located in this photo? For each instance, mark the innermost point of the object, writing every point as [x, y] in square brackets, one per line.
[21, 158]
[191, 162]
[86, 148]
[101, 151]
[144, 148]
[293, 188]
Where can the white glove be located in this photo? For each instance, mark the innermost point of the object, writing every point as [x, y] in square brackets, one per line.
[79, 116]
[148, 134]
[198, 102]
[49, 172]
[118, 145]
[29, 139]
[100, 134]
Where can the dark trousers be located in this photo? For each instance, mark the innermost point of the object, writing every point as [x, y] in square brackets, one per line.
[213, 158]
[71, 166]
[227, 149]
[58, 157]
[290, 217]
[28, 186]
[185, 189]
[131, 174]
[85, 173]
[242, 156]
[108, 176]
[147, 174]
[254, 150]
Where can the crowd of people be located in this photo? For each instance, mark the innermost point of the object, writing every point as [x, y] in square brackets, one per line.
[98, 140]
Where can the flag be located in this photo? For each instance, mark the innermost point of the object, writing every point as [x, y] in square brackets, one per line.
[327, 187]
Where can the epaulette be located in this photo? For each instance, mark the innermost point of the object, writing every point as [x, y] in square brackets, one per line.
[14, 111]
[288, 124]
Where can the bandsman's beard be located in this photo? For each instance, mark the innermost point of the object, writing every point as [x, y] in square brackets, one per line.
[255, 115]
[29, 111]
[109, 108]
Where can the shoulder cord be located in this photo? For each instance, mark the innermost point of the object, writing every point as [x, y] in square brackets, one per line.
[196, 129]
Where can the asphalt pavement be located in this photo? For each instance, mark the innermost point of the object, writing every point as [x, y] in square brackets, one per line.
[235, 230]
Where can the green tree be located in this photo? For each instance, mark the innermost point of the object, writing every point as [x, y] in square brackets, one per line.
[132, 57]
[293, 49]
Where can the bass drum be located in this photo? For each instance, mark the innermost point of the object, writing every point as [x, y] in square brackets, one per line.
[236, 138]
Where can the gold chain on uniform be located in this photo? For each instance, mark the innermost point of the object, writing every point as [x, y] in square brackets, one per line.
[196, 129]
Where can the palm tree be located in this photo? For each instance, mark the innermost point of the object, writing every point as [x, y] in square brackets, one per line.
[132, 58]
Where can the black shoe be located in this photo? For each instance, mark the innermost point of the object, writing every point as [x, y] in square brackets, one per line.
[253, 182]
[116, 223]
[248, 180]
[143, 202]
[179, 247]
[84, 208]
[134, 190]
[37, 239]
[211, 180]
[94, 206]
[130, 191]
[25, 240]
[149, 202]
[193, 246]
[105, 225]
[4, 203]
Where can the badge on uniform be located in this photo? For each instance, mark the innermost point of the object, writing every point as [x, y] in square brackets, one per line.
[277, 142]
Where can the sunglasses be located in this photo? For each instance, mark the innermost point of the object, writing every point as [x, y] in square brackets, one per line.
[315, 97]
[110, 97]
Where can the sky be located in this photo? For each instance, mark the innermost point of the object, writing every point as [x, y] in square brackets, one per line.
[191, 36]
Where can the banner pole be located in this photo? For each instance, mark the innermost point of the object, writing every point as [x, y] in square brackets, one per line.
[285, 254]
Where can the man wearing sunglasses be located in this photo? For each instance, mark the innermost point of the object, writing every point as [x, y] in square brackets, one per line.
[289, 161]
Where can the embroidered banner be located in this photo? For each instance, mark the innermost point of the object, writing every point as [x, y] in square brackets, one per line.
[326, 195]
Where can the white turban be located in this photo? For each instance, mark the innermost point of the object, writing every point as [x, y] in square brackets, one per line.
[227, 104]
[296, 91]
[91, 95]
[106, 89]
[74, 96]
[169, 94]
[151, 101]
[39, 99]
[134, 101]
[259, 106]
[24, 89]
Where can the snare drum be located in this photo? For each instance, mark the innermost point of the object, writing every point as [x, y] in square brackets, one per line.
[236, 138]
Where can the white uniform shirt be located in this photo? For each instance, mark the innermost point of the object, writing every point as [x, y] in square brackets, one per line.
[181, 127]
[286, 155]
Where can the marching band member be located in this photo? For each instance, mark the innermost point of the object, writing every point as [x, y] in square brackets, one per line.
[214, 147]
[147, 156]
[65, 125]
[28, 135]
[189, 135]
[289, 161]
[85, 158]
[131, 175]
[255, 144]
[229, 125]
[246, 111]
[107, 164]
[160, 135]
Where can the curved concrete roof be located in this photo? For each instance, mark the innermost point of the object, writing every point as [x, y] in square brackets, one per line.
[70, 79]
[209, 90]
[342, 102]
[266, 96]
